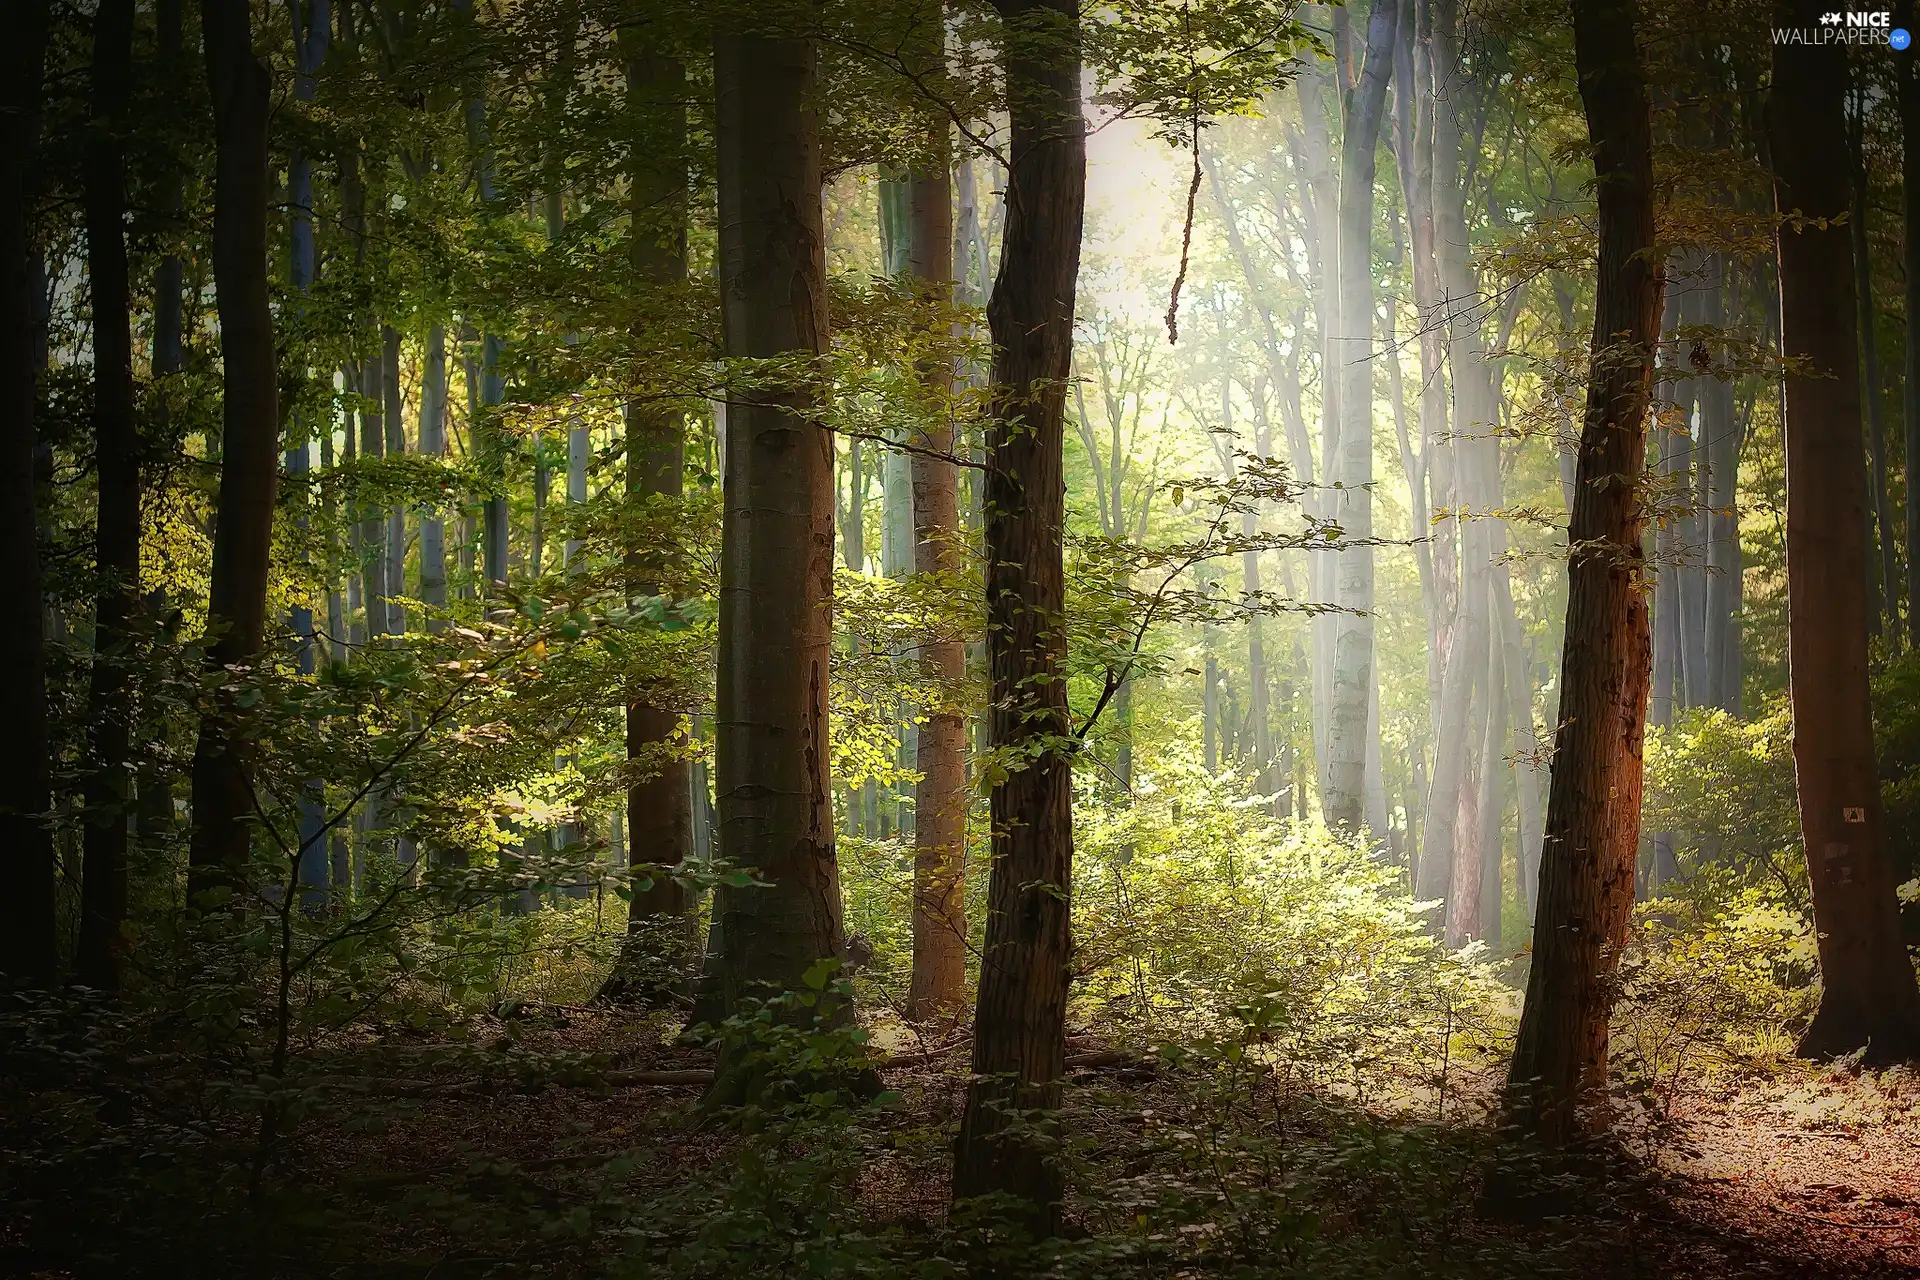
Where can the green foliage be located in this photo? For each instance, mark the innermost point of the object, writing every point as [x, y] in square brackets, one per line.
[1724, 787]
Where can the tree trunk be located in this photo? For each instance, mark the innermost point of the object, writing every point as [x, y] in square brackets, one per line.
[660, 796]
[1907, 69]
[776, 816]
[28, 945]
[1870, 350]
[1019, 1041]
[395, 426]
[240, 85]
[373, 523]
[1348, 721]
[1868, 998]
[433, 444]
[103, 897]
[1721, 438]
[1593, 807]
[1492, 805]
[938, 984]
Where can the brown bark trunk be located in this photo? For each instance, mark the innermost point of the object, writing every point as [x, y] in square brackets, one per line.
[1593, 808]
[776, 572]
[250, 429]
[28, 947]
[938, 984]
[1019, 1042]
[1907, 67]
[103, 894]
[1868, 998]
[660, 791]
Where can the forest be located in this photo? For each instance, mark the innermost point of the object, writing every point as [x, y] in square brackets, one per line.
[959, 638]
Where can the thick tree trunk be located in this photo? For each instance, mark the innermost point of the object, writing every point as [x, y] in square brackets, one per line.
[103, 895]
[1019, 1041]
[250, 427]
[660, 799]
[938, 983]
[1868, 998]
[1907, 65]
[28, 939]
[1593, 808]
[1348, 721]
[1492, 804]
[776, 586]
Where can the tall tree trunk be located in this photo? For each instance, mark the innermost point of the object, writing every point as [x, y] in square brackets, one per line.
[103, 895]
[1019, 1040]
[373, 522]
[1870, 350]
[433, 444]
[1868, 998]
[660, 793]
[28, 946]
[395, 425]
[1593, 807]
[776, 587]
[1492, 805]
[1722, 439]
[250, 427]
[1907, 66]
[937, 987]
[1348, 721]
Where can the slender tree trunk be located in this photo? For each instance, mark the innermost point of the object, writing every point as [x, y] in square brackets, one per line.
[938, 983]
[1868, 998]
[1870, 349]
[1353, 666]
[1492, 805]
[1593, 807]
[1019, 1041]
[660, 792]
[28, 945]
[373, 524]
[250, 427]
[1723, 516]
[395, 425]
[103, 898]
[433, 444]
[776, 816]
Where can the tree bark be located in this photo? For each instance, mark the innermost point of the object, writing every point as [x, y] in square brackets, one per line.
[395, 427]
[1868, 997]
[1870, 350]
[776, 586]
[433, 444]
[103, 894]
[659, 789]
[937, 987]
[250, 427]
[1593, 807]
[1907, 65]
[1019, 1042]
[1348, 721]
[1723, 516]
[28, 938]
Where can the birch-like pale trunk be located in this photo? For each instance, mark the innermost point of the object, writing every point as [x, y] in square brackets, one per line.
[1349, 721]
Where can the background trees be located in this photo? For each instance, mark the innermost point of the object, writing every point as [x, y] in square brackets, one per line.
[896, 500]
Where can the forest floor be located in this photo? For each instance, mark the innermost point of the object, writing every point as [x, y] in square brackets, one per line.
[557, 1143]
[1811, 1172]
